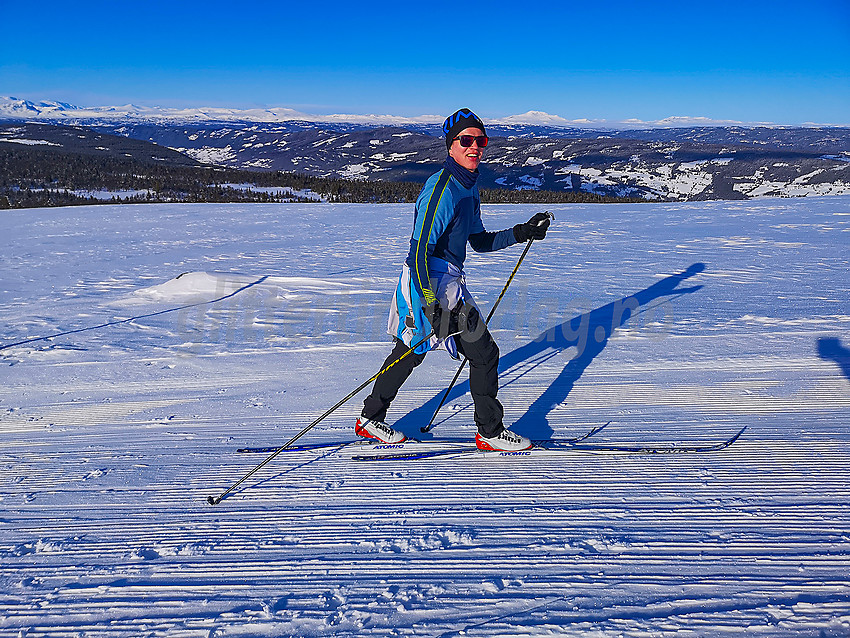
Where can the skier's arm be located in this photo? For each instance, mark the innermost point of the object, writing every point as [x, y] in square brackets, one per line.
[434, 209]
[419, 271]
[485, 242]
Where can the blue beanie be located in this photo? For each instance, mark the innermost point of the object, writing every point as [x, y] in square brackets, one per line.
[459, 120]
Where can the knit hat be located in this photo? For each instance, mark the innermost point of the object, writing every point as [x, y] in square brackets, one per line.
[459, 120]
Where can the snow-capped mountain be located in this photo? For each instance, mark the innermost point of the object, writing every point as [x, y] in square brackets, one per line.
[13, 108]
[16, 108]
[535, 151]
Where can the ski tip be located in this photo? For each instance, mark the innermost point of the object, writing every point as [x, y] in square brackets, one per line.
[731, 441]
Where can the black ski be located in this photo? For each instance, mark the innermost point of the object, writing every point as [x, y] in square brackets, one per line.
[470, 448]
[661, 449]
[553, 447]
[361, 442]
[294, 448]
[462, 444]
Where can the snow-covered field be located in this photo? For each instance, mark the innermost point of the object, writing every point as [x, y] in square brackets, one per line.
[116, 428]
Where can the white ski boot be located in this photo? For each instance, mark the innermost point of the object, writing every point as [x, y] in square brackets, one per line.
[377, 430]
[507, 441]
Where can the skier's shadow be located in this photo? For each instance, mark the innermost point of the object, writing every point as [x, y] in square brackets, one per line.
[830, 349]
[588, 333]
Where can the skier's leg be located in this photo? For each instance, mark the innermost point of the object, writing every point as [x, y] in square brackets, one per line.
[483, 355]
[388, 384]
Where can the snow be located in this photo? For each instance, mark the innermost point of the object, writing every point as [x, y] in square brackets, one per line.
[531, 180]
[354, 171]
[109, 194]
[277, 190]
[103, 195]
[16, 108]
[688, 179]
[28, 142]
[392, 157]
[209, 154]
[683, 180]
[534, 161]
[143, 344]
[799, 187]
[194, 287]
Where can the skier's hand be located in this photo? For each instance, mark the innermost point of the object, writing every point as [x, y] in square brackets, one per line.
[434, 312]
[534, 228]
[444, 322]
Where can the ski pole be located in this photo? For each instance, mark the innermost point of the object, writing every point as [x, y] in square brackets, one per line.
[427, 428]
[215, 500]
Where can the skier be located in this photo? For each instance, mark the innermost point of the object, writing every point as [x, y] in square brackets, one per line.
[432, 292]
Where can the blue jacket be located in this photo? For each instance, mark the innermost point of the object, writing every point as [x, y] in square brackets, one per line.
[448, 215]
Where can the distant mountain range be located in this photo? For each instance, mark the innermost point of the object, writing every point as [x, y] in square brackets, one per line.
[535, 151]
[16, 108]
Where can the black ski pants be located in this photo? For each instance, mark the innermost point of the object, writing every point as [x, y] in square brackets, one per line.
[483, 355]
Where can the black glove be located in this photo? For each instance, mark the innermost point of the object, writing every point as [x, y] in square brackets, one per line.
[443, 322]
[534, 228]
[434, 312]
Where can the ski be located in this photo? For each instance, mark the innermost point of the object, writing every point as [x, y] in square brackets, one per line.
[444, 444]
[294, 448]
[555, 448]
[662, 449]
[360, 443]
[470, 448]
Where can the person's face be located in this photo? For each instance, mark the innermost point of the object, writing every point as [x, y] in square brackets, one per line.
[469, 157]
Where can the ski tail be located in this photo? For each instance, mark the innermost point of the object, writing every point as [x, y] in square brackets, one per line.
[293, 448]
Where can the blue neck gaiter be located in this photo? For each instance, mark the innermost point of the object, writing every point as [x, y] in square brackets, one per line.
[466, 177]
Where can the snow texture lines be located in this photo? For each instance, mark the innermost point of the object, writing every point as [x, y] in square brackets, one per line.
[676, 322]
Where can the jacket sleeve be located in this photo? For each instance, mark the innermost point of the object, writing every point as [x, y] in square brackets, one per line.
[485, 242]
[434, 210]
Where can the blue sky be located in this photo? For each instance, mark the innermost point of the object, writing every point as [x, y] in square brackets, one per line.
[781, 62]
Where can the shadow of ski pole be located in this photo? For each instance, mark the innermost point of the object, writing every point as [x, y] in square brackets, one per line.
[118, 322]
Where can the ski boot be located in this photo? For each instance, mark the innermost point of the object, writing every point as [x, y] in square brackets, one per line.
[506, 441]
[377, 430]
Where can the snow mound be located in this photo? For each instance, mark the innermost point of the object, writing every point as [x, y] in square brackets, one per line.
[191, 287]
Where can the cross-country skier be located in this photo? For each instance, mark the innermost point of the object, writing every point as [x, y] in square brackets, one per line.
[432, 291]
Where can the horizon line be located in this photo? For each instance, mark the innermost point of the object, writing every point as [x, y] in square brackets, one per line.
[21, 108]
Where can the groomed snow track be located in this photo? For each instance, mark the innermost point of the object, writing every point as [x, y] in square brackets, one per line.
[112, 438]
